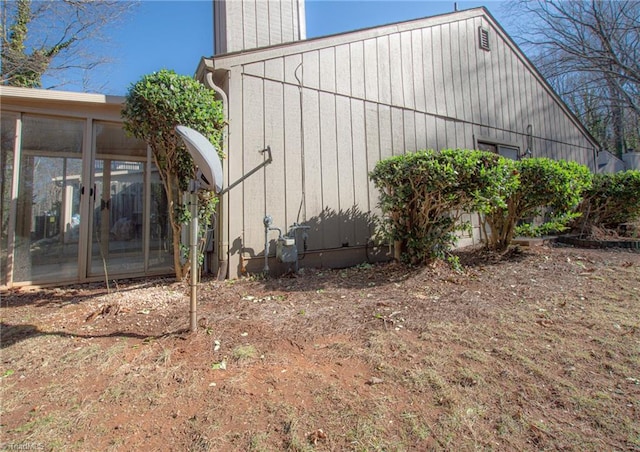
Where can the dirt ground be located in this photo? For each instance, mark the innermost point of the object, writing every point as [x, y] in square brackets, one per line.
[536, 351]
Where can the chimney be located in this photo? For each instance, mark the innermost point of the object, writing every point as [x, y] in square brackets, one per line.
[250, 24]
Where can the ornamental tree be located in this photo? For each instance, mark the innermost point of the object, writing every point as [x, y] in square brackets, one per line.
[154, 106]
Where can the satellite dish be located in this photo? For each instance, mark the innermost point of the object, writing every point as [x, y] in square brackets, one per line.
[205, 156]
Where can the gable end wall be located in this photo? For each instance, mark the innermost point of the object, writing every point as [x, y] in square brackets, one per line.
[333, 108]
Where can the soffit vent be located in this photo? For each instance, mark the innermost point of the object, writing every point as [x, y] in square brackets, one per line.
[483, 37]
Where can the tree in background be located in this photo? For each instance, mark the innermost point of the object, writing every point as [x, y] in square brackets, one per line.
[153, 107]
[589, 51]
[53, 38]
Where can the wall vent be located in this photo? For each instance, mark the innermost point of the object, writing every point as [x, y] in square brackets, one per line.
[483, 38]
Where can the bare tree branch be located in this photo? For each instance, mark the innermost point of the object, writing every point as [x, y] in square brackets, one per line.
[54, 37]
[589, 50]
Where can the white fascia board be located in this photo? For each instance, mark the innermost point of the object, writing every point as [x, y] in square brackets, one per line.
[45, 95]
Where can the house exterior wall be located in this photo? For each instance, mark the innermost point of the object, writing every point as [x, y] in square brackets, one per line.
[609, 163]
[631, 160]
[249, 24]
[330, 108]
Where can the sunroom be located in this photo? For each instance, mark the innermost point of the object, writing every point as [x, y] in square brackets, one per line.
[80, 200]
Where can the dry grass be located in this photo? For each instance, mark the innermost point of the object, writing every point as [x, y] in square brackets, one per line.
[362, 359]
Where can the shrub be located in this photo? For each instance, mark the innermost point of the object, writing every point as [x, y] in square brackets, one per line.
[153, 107]
[423, 195]
[551, 225]
[612, 200]
[539, 183]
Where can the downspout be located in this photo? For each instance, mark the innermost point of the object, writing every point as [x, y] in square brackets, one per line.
[223, 207]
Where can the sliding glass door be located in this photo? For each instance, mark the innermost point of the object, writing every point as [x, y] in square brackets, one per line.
[128, 228]
[89, 203]
[47, 220]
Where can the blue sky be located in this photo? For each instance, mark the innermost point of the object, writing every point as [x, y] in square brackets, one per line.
[176, 34]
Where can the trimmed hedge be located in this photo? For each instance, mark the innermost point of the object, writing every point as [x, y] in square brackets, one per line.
[539, 183]
[612, 200]
[423, 195]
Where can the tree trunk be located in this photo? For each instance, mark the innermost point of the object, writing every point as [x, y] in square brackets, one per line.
[171, 191]
[617, 118]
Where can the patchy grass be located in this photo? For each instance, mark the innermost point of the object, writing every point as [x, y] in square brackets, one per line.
[535, 353]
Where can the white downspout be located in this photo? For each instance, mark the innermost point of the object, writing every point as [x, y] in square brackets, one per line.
[223, 207]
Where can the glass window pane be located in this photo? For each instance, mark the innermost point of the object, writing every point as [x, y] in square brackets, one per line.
[7, 133]
[117, 231]
[111, 139]
[48, 205]
[509, 152]
[487, 147]
[160, 237]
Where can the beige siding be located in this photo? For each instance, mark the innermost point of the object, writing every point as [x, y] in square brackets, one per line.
[360, 204]
[293, 194]
[371, 77]
[311, 70]
[234, 219]
[345, 163]
[275, 184]
[331, 108]
[292, 69]
[327, 70]
[328, 180]
[372, 142]
[417, 71]
[383, 70]
[253, 141]
[428, 72]
[356, 59]
[385, 130]
[343, 70]
[406, 66]
[312, 162]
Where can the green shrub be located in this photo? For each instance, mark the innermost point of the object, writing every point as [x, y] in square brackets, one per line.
[153, 107]
[552, 225]
[423, 195]
[539, 182]
[612, 200]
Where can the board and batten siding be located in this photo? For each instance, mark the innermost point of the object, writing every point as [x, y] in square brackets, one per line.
[330, 108]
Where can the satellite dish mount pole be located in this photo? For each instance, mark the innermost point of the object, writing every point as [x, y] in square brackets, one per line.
[208, 177]
[193, 250]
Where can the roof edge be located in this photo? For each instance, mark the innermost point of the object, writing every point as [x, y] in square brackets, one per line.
[518, 51]
[277, 50]
[13, 92]
[226, 61]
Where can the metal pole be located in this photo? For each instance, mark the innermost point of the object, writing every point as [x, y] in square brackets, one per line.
[194, 258]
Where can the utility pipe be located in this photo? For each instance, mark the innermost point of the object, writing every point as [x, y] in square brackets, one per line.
[223, 207]
[267, 221]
